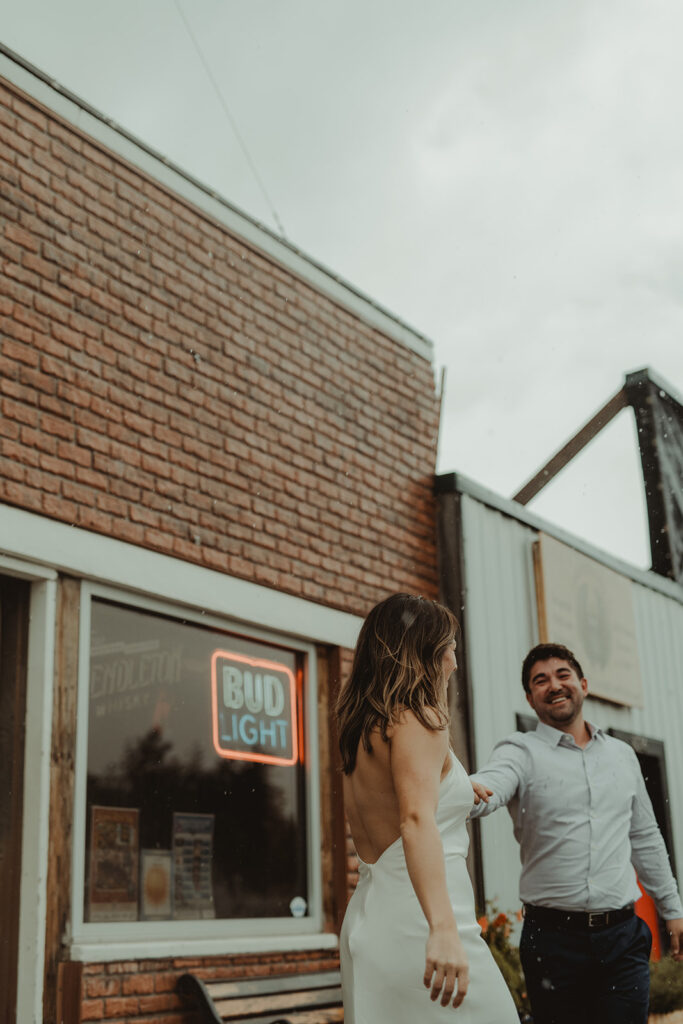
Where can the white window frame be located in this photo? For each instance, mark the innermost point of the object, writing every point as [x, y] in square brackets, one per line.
[36, 787]
[131, 939]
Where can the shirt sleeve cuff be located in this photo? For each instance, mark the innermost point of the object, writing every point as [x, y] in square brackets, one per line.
[671, 909]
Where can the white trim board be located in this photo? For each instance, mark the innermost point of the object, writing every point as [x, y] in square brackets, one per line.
[36, 802]
[96, 557]
[103, 130]
[163, 949]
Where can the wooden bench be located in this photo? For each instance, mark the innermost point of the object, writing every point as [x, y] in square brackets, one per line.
[312, 998]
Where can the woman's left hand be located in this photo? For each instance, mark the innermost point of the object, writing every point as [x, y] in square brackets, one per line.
[481, 792]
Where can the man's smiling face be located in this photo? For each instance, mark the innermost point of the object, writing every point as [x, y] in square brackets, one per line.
[556, 693]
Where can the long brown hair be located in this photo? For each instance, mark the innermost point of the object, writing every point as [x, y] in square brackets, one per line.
[397, 665]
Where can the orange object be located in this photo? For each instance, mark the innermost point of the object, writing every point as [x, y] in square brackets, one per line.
[645, 909]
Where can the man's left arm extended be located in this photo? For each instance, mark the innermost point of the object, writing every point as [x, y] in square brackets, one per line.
[651, 861]
[501, 775]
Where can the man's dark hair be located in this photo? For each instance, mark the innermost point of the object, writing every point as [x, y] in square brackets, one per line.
[541, 652]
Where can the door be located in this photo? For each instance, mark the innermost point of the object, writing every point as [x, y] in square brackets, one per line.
[650, 754]
[14, 604]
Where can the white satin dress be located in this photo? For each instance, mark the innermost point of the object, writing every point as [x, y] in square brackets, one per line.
[384, 935]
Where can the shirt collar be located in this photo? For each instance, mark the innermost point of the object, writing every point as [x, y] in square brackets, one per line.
[553, 737]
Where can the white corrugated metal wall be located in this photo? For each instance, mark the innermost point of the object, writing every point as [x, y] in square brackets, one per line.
[501, 626]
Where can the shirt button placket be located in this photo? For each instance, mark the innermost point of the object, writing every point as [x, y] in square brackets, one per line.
[591, 827]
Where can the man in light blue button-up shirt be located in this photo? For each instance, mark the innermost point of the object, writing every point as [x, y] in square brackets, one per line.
[585, 826]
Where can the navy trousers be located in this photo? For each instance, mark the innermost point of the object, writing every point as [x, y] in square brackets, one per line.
[587, 977]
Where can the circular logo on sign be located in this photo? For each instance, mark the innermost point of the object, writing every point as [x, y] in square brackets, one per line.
[298, 906]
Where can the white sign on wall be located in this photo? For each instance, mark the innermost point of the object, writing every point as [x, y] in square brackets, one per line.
[589, 608]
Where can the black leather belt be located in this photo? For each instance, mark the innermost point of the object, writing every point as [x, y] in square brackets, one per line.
[576, 920]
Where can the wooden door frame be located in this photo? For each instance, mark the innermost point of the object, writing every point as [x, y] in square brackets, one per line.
[14, 624]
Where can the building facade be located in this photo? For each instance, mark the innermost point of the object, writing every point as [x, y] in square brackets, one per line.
[215, 457]
[516, 580]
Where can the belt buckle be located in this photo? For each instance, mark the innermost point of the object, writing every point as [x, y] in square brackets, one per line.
[596, 918]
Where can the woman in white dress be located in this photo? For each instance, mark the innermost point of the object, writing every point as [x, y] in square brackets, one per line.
[410, 930]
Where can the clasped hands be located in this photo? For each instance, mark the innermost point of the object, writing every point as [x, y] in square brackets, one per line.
[481, 792]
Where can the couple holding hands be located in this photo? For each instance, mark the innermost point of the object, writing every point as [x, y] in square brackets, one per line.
[580, 812]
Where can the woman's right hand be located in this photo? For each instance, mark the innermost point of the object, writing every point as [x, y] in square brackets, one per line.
[446, 967]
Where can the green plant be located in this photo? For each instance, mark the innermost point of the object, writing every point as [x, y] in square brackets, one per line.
[666, 986]
[495, 930]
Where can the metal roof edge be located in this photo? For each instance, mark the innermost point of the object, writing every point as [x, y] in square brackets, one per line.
[103, 130]
[449, 483]
[642, 376]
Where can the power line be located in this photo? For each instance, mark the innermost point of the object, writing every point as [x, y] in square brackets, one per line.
[231, 119]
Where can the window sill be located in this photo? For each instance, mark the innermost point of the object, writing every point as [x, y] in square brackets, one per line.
[159, 949]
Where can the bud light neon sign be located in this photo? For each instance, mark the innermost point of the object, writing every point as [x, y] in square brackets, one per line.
[254, 709]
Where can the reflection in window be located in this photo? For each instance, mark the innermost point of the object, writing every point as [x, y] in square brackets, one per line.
[196, 790]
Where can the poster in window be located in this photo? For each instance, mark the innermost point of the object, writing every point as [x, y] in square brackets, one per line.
[192, 865]
[156, 872]
[114, 864]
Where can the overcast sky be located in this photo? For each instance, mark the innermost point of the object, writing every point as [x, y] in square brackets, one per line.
[504, 176]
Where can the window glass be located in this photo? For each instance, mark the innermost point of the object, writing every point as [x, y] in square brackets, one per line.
[195, 788]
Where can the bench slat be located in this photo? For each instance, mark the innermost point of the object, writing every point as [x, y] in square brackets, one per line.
[332, 1015]
[313, 998]
[276, 1002]
[221, 989]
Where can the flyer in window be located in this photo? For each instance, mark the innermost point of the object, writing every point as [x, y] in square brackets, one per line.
[156, 872]
[192, 865]
[114, 864]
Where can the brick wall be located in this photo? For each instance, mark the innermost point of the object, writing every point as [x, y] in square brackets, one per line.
[164, 384]
[143, 991]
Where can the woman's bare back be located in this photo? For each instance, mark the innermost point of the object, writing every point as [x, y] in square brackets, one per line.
[370, 799]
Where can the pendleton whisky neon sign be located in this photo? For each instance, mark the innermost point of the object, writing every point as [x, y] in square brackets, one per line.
[254, 710]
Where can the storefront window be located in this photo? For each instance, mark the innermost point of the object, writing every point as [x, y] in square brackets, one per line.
[196, 798]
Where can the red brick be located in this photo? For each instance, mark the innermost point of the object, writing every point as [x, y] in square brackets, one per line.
[22, 237]
[82, 496]
[23, 336]
[134, 533]
[56, 507]
[102, 986]
[121, 1006]
[28, 112]
[138, 984]
[155, 1003]
[74, 453]
[92, 1009]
